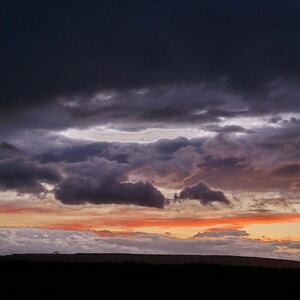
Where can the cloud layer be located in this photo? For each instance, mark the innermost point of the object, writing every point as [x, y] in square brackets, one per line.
[208, 169]
[121, 44]
[135, 65]
[220, 78]
[36, 240]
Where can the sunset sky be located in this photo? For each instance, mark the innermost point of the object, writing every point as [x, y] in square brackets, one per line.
[160, 126]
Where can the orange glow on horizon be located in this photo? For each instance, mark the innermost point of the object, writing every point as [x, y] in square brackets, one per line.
[148, 220]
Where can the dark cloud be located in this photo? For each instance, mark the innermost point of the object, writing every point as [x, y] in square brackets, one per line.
[168, 147]
[135, 65]
[57, 49]
[91, 175]
[268, 203]
[221, 233]
[100, 181]
[203, 193]
[226, 161]
[25, 176]
[163, 163]
[224, 146]
[8, 150]
[76, 190]
[75, 152]
[228, 129]
[131, 110]
[288, 171]
[114, 151]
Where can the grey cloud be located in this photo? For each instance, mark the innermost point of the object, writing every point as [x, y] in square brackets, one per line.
[158, 64]
[224, 146]
[228, 129]
[155, 161]
[200, 105]
[98, 168]
[203, 193]
[168, 147]
[183, 105]
[95, 180]
[76, 190]
[25, 176]
[36, 240]
[192, 70]
[191, 44]
[173, 105]
[221, 233]
[120, 152]
[116, 151]
[287, 171]
[249, 159]
[174, 163]
[268, 203]
[8, 150]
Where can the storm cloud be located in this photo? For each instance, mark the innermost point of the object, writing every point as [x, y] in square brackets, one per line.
[75, 190]
[226, 71]
[24, 176]
[203, 193]
[93, 40]
[77, 64]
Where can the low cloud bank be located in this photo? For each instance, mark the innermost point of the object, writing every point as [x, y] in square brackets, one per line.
[38, 240]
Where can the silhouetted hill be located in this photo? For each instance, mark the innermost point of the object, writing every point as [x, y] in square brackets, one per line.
[126, 276]
[155, 259]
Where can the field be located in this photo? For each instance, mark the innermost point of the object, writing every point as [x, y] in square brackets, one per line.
[89, 276]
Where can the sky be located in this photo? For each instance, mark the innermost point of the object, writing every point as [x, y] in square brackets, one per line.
[150, 126]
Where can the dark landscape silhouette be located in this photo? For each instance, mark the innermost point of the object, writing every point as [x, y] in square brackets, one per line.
[112, 276]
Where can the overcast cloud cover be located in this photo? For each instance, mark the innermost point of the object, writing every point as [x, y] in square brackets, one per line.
[230, 70]
[117, 102]
[134, 65]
